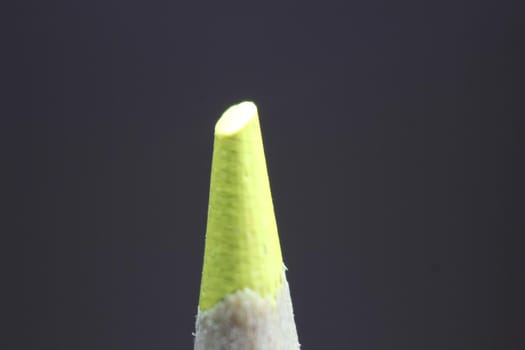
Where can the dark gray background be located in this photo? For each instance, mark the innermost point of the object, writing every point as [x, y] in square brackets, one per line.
[392, 144]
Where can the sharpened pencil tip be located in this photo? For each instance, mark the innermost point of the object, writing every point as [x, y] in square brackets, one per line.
[242, 247]
[244, 300]
[235, 118]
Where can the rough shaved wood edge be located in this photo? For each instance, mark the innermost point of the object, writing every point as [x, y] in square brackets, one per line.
[246, 321]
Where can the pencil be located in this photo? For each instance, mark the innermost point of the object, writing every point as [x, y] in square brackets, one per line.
[244, 300]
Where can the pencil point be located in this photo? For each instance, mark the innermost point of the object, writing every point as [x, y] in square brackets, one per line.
[244, 299]
[242, 249]
[235, 118]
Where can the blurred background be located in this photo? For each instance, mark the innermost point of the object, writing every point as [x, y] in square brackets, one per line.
[391, 135]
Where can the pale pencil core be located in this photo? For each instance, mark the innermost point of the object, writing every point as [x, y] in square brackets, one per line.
[242, 247]
[244, 300]
[235, 118]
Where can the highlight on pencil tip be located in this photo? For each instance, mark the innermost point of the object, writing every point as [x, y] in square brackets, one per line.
[235, 118]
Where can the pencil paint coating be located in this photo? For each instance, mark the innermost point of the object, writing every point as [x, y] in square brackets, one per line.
[242, 247]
